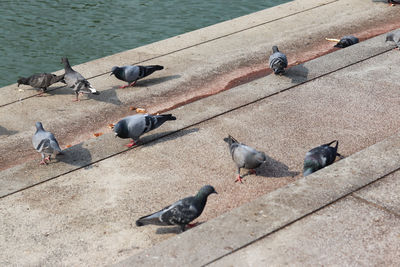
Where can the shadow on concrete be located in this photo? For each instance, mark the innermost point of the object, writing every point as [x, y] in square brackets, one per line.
[153, 81]
[107, 96]
[157, 138]
[173, 230]
[273, 168]
[4, 131]
[76, 156]
[297, 74]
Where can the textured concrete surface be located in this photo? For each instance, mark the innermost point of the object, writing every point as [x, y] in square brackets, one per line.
[230, 232]
[236, 48]
[330, 237]
[81, 209]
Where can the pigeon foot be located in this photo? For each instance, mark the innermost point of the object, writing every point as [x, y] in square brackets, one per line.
[42, 162]
[252, 171]
[191, 225]
[239, 179]
[133, 143]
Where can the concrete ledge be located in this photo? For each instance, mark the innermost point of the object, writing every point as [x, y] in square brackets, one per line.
[250, 222]
[94, 150]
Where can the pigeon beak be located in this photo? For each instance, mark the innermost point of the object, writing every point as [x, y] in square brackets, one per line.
[216, 192]
[18, 84]
[111, 73]
[116, 134]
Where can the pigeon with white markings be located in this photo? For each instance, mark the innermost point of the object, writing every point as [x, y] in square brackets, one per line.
[320, 157]
[394, 37]
[40, 80]
[131, 73]
[45, 143]
[277, 61]
[181, 212]
[76, 81]
[136, 125]
[346, 41]
[244, 156]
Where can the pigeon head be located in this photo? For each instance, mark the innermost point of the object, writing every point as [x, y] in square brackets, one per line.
[230, 140]
[22, 80]
[205, 191]
[389, 37]
[65, 61]
[39, 126]
[116, 71]
[121, 130]
[310, 166]
[275, 49]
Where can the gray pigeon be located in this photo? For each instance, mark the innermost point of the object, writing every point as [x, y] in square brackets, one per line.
[320, 157]
[244, 156]
[131, 73]
[45, 143]
[40, 80]
[346, 41]
[277, 61]
[136, 125]
[394, 37]
[76, 81]
[181, 212]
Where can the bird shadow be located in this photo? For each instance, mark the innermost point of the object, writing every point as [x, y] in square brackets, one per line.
[107, 96]
[4, 131]
[77, 156]
[154, 81]
[60, 90]
[274, 168]
[173, 230]
[298, 73]
[153, 139]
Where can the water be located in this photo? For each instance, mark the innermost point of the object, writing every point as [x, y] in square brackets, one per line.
[35, 34]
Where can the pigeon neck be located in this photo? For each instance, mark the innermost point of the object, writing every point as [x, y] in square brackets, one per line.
[67, 66]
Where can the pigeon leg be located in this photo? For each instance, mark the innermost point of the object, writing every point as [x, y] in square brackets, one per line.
[77, 98]
[132, 84]
[41, 92]
[124, 86]
[43, 161]
[239, 177]
[47, 158]
[252, 171]
[133, 143]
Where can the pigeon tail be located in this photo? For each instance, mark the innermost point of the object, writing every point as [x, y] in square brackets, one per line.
[153, 218]
[147, 70]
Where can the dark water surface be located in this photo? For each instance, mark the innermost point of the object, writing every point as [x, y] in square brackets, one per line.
[35, 34]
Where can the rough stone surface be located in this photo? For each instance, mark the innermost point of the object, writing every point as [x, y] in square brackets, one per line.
[346, 233]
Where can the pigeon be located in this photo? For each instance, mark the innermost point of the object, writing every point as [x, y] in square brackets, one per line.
[277, 61]
[45, 143]
[320, 157]
[40, 80]
[76, 81]
[136, 125]
[181, 212]
[131, 73]
[244, 156]
[394, 37]
[392, 2]
[346, 41]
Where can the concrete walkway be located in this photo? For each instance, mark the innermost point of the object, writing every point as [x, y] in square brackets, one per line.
[81, 209]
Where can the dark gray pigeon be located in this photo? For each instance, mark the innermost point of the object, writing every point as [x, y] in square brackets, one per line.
[277, 61]
[320, 157]
[244, 156]
[76, 81]
[45, 143]
[131, 74]
[40, 80]
[181, 212]
[394, 37]
[136, 125]
[347, 41]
